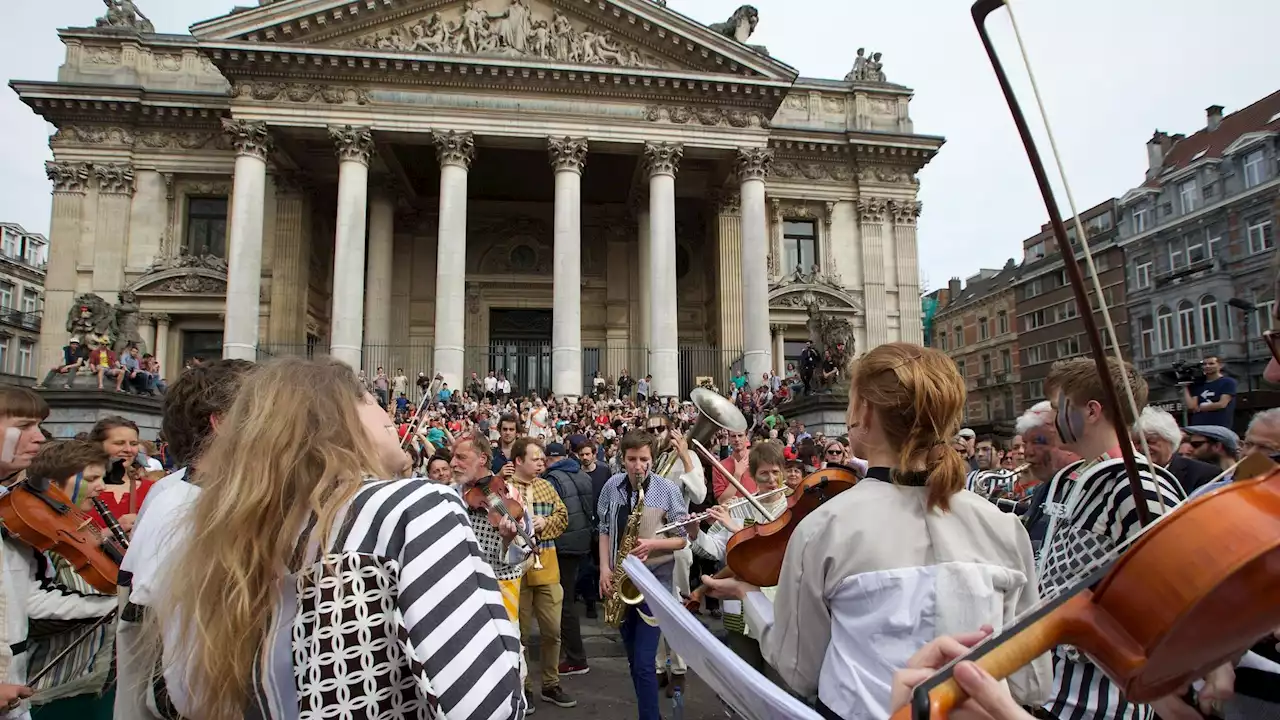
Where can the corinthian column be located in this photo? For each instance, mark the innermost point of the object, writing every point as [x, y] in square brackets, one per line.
[455, 151]
[111, 237]
[354, 147]
[70, 180]
[871, 215]
[753, 168]
[568, 156]
[663, 162]
[377, 288]
[905, 213]
[244, 244]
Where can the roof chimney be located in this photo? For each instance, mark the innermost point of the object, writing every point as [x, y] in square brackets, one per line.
[1214, 114]
[1159, 143]
[954, 287]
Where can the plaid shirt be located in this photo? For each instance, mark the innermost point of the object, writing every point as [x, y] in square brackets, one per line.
[542, 498]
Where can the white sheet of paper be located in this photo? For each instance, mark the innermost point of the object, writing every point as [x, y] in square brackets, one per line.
[748, 692]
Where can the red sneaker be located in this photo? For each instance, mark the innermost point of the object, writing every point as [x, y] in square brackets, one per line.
[567, 669]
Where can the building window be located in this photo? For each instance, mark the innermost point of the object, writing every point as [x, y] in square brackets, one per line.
[4, 354]
[1253, 169]
[1164, 329]
[960, 367]
[959, 335]
[1032, 289]
[942, 340]
[1002, 322]
[207, 226]
[1209, 318]
[1175, 254]
[1189, 196]
[1215, 246]
[1266, 315]
[25, 350]
[1035, 319]
[1143, 276]
[1034, 355]
[1035, 390]
[1141, 219]
[34, 254]
[6, 295]
[1008, 405]
[12, 245]
[201, 343]
[1035, 252]
[984, 330]
[1261, 238]
[1006, 361]
[1186, 324]
[1195, 252]
[799, 244]
[1068, 347]
[30, 301]
[1067, 311]
[986, 366]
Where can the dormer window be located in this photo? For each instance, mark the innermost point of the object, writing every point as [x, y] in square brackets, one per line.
[1141, 219]
[1253, 169]
[1189, 196]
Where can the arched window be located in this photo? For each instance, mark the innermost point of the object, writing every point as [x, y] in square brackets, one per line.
[1209, 318]
[1186, 324]
[1164, 329]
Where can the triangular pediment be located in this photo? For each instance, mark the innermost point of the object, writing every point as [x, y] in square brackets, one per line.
[620, 33]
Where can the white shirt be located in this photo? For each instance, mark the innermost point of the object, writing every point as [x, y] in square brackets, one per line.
[490, 384]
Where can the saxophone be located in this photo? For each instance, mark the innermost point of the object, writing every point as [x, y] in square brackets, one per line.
[625, 593]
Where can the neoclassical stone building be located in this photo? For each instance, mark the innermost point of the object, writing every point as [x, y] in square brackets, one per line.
[543, 187]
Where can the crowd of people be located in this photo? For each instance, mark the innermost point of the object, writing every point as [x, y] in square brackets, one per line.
[315, 547]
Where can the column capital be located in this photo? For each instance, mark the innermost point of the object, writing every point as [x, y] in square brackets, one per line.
[777, 329]
[248, 137]
[729, 201]
[754, 163]
[114, 179]
[352, 143]
[663, 158]
[455, 148]
[68, 177]
[567, 154]
[905, 212]
[161, 318]
[872, 209]
[289, 183]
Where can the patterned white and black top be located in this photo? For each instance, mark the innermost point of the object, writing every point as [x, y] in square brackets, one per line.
[399, 617]
[1092, 512]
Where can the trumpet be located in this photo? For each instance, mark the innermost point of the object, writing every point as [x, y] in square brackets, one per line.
[699, 517]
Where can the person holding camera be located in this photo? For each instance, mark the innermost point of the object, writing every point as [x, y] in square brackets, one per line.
[1210, 400]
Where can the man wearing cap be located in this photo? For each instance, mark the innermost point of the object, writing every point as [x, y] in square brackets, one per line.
[73, 357]
[1213, 444]
[574, 487]
[969, 438]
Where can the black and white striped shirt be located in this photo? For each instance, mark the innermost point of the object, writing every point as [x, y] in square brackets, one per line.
[400, 618]
[1092, 512]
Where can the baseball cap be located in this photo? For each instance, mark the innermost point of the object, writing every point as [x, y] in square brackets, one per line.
[556, 450]
[966, 433]
[1226, 436]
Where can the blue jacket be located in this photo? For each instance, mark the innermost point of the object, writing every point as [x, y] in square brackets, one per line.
[574, 487]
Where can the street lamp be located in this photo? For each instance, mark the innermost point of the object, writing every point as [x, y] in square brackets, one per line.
[1245, 307]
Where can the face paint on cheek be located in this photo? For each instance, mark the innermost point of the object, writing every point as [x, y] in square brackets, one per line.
[1069, 421]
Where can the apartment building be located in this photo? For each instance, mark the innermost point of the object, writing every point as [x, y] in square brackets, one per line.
[977, 329]
[23, 257]
[1050, 326]
[1199, 238]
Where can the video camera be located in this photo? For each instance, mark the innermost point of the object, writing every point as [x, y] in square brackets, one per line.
[1185, 372]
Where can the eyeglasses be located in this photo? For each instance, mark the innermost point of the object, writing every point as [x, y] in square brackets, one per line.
[657, 428]
[1197, 444]
[835, 452]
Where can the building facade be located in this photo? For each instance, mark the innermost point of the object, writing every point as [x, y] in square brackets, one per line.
[1050, 326]
[23, 257]
[1199, 241]
[544, 188]
[976, 328]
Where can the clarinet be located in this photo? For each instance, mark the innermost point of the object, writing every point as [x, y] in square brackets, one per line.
[112, 524]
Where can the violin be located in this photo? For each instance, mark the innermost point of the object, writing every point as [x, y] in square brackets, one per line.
[1164, 612]
[47, 520]
[494, 497]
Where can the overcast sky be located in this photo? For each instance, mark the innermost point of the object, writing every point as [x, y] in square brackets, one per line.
[1112, 72]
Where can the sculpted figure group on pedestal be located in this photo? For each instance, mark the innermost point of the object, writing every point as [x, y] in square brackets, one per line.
[125, 14]
[514, 32]
[866, 69]
[93, 318]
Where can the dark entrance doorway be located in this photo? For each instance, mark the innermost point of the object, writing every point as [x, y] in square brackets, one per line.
[520, 347]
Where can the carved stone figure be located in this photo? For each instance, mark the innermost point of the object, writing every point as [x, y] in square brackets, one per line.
[125, 14]
[126, 323]
[90, 316]
[866, 69]
[516, 31]
[832, 335]
[740, 25]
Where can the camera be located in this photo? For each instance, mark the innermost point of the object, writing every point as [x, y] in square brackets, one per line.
[1188, 373]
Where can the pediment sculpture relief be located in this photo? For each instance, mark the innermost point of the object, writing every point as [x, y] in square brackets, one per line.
[517, 31]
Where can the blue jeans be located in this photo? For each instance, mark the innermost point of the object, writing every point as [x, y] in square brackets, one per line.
[641, 641]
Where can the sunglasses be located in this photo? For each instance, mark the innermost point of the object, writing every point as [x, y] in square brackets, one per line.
[1197, 444]
[835, 452]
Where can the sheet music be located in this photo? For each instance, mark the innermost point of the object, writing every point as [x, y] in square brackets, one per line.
[748, 692]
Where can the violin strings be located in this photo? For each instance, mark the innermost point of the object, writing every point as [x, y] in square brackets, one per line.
[1083, 238]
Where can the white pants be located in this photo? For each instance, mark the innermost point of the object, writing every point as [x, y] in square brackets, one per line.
[680, 587]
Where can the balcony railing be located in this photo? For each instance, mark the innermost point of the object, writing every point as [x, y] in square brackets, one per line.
[18, 318]
[528, 364]
[995, 379]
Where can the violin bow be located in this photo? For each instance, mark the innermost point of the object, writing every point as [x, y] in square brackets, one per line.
[980, 11]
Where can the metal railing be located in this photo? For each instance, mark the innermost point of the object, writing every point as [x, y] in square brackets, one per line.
[528, 364]
[27, 320]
